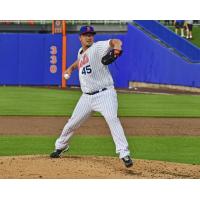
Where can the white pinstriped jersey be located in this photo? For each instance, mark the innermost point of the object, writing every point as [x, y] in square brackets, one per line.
[93, 75]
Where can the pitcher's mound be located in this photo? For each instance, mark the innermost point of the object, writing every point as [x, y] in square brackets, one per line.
[92, 168]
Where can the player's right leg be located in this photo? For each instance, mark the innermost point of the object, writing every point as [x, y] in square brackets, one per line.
[81, 112]
[106, 103]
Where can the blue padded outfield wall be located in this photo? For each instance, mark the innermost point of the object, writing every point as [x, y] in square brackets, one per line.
[149, 61]
[28, 59]
[35, 59]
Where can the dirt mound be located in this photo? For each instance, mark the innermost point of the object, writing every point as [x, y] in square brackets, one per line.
[76, 167]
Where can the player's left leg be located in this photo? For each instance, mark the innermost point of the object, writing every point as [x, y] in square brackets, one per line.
[106, 103]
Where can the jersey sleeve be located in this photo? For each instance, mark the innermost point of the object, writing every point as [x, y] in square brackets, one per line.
[103, 47]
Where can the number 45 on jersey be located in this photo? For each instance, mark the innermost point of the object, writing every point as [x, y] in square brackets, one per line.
[87, 70]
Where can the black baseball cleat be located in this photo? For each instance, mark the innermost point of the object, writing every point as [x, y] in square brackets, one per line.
[58, 152]
[127, 161]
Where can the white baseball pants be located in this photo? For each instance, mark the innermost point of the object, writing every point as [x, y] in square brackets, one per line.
[104, 102]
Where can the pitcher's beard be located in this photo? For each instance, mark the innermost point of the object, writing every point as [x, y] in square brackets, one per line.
[89, 45]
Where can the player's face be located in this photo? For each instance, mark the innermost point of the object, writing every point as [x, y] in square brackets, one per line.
[87, 40]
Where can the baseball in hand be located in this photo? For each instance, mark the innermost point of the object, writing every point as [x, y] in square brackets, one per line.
[66, 76]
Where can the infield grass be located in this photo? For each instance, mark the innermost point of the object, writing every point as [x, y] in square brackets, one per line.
[52, 102]
[174, 149]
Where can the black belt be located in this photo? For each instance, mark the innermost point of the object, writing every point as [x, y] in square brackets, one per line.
[92, 93]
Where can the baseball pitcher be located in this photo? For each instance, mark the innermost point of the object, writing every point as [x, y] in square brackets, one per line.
[98, 91]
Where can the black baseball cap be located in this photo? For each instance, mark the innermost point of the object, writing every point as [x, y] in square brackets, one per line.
[87, 29]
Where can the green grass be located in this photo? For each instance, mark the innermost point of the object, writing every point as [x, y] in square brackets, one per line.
[151, 105]
[196, 36]
[174, 149]
[52, 102]
[37, 101]
[40, 101]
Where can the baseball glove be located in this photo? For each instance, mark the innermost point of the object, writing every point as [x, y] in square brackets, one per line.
[111, 56]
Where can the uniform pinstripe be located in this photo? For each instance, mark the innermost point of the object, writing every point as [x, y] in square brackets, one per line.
[100, 76]
[94, 76]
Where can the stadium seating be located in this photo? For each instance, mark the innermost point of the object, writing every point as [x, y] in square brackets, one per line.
[45, 26]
